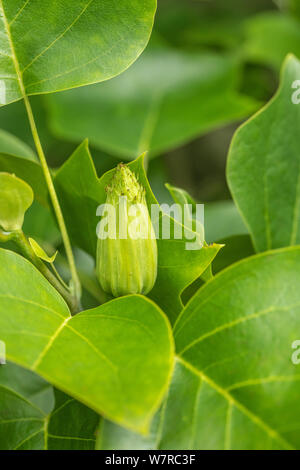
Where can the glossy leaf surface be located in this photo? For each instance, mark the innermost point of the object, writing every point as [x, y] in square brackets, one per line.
[116, 358]
[234, 385]
[263, 167]
[33, 416]
[73, 44]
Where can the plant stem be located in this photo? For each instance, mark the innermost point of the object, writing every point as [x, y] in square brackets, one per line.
[55, 202]
[19, 238]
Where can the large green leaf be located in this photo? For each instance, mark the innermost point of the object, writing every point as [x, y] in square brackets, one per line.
[165, 99]
[26, 400]
[236, 336]
[49, 46]
[27, 384]
[234, 384]
[116, 358]
[33, 417]
[81, 191]
[263, 168]
[71, 425]
[184, 422]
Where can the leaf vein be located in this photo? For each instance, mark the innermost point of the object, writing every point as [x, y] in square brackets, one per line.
[253, 316]
[74, 68]
[72, 438]
[115, 317]
[252, 416]
[49, 344]
[29, 437]
[100, 354]
[19, 12]
[59, 37]
[13, 297]
[17, 420]
[264, 380]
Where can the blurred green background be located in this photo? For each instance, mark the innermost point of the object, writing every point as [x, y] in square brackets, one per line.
[210, 65]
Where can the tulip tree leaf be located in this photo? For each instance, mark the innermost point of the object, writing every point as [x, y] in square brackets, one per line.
[30, 386]
[87, 355]
[164, 100]
[26, 400]
[71, 425]
[35, 417]
[16, 197]
[238, 340]
[263, 168]
[21, 423]
[74, 43]
[81, 192]
[234, 385]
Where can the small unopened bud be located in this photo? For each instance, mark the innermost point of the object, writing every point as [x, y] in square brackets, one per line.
[127, 249]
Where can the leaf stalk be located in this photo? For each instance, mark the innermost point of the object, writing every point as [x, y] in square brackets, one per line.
[57, 209]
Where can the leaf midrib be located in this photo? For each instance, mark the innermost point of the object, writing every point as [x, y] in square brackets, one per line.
[19, 72]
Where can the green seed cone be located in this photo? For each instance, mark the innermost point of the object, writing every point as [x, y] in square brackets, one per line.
[126, 249]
